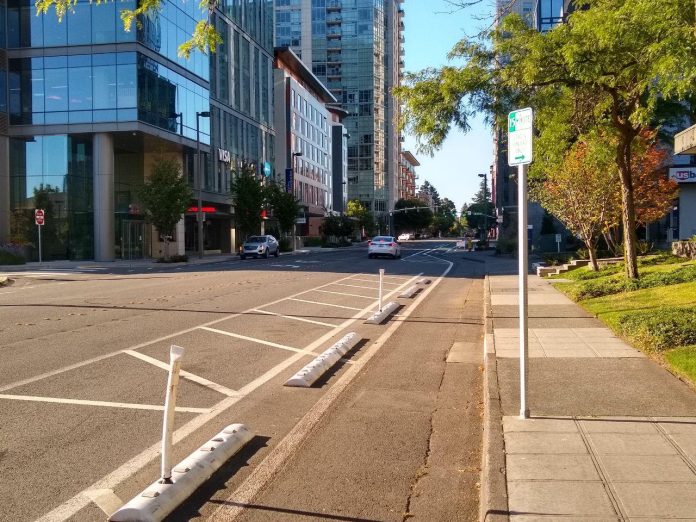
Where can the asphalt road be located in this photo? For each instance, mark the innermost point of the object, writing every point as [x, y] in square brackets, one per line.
[84, 353]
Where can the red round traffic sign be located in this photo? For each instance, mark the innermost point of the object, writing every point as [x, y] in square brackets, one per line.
[39, 216]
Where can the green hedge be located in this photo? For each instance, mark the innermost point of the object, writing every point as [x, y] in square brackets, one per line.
[592, 287]
[660, 328]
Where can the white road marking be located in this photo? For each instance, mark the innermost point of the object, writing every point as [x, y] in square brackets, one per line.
[186, 375]
[268, 468]
[323, 304]
[147, 343]
[105, 499]
[371, 281]
[343, 293]
[364, 287]
[105, 404]
[71, 506]
[294, 318]
[252, 339]
[287, 266]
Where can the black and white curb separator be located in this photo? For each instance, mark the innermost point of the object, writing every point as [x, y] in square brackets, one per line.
[410, 292]
[177, 484]
[315, 369]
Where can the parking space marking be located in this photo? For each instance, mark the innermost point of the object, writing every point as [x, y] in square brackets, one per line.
[364, 287]
[93, 360]
[105, 404]
[186, 375]
[323, 304]
[294, 318]
[370, 281]
[343, 293]
[71, 506]
[252, 339]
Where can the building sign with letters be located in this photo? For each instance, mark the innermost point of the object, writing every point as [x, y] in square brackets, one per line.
[683, 174]
[224, 155]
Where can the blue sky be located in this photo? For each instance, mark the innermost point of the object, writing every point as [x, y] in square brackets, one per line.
[431, 31]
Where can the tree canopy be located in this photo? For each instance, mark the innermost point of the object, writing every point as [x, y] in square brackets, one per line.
[165, 197]
[620, 62]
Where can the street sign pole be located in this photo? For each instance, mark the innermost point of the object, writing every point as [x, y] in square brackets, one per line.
[523, 270]
[39, 227]
[520, 129]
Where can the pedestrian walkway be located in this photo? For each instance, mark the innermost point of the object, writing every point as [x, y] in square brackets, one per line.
[612, 435]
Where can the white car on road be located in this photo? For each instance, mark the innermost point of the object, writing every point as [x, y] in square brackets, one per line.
[406, 236]
[383, 246]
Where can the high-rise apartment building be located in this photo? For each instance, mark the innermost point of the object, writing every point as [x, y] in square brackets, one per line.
[355, 48]
[90, 107]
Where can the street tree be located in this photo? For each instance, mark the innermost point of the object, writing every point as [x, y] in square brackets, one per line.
[580, 195]
[249, 197]
[365, 218]
[165, 196]
[285, 207]
[204, 38]
[412, 215]
[632, 58]
[445, 218]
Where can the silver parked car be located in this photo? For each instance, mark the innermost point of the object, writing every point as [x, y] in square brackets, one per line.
[257, 246]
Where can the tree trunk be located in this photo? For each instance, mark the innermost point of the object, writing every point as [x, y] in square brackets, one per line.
[628, 211]
[166, 248]
[592, 249]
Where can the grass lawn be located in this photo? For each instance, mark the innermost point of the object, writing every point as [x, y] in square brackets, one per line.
[660, 319]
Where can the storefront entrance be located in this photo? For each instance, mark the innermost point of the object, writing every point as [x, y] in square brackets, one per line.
[132, 239]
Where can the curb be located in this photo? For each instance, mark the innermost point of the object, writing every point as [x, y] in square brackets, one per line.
[493, 502]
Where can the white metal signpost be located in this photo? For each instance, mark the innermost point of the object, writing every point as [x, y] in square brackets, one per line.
[520, 128]
[39, 219]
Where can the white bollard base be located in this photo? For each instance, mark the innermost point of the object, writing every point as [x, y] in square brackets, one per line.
[387, 310]
[159, 500]
[315, 369]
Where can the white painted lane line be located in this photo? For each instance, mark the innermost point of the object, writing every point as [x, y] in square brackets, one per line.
[292, 317]
[343, 293]
[364, 287]
[148, 343]
[268, 468]
[105, 404]
[186, 375]
[323, 304]
[372, 281]
[252, 339]
[105, 499]
[71, 506]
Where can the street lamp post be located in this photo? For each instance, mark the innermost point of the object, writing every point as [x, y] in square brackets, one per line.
[199, 179]
[294, 170]
[485, 202]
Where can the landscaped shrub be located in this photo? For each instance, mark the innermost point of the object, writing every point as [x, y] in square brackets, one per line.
[312, 241]
[661, 328]
[174, 259]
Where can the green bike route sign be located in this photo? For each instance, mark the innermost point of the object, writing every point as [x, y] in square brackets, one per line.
[520, 127]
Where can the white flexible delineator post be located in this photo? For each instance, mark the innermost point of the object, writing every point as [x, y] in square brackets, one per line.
[386, 311]
[176, 353]
[381, 278]
[160, 499]
[315, 369]
[410, 292]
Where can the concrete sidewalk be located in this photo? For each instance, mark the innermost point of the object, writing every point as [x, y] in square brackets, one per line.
[612, 435]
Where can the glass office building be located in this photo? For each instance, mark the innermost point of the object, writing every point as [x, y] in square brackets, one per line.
[90, 107]
[354, 47]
